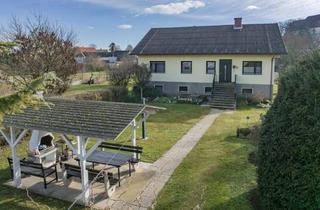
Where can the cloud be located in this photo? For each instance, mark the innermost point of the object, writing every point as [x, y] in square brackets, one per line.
[174, 8]
[124, 26]
[252, 7]
[91, 27]
[273, 10]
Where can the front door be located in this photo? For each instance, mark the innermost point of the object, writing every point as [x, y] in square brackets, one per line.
[225, 69]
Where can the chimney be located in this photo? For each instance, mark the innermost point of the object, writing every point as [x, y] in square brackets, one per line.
[237, 23]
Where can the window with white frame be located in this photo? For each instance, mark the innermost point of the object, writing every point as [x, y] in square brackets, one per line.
[211, 67]
[252, 68]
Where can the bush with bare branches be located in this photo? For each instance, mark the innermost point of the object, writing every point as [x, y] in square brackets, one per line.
[39, 47]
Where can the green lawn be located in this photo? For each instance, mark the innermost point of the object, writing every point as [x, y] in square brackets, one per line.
[216, 174]
[164, 129]
[86, 75]
[84, 88]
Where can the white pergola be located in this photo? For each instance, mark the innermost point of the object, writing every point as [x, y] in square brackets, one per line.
[101, 121]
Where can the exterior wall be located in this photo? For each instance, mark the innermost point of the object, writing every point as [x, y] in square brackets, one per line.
[172, 88]
[263, 90]
[173, 70]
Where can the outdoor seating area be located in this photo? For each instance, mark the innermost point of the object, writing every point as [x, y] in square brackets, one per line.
[36, 169]
[103, 162]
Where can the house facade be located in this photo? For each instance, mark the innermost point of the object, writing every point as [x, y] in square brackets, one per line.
[190, 59]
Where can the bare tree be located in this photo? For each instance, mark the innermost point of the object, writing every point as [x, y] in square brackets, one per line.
[93, 63]
[299, 43]
[39, 47]
[129, 70]
[141, 76]
[121, 75]
[129, 48]
[112, 48]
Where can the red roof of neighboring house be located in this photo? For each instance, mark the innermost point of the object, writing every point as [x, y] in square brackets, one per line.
[87, 49]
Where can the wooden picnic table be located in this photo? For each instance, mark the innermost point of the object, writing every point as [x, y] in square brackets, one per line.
[110, 158]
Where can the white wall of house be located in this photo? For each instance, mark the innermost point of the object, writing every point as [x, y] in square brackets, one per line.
[173, 68]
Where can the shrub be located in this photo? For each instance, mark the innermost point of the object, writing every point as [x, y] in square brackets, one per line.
[164, 100]
[120, 77]
[148, 92]
[243, 132]
[117, 94]
[289, 150]
[241, 101]
[95, 96]
[255, 99]
[254, 136]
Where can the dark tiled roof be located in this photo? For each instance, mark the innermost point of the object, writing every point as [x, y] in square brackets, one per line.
[95, 119]
[252, 39]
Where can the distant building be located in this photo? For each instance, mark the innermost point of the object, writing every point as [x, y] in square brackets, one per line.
[82, 52]
[112, 58]
[104, 55]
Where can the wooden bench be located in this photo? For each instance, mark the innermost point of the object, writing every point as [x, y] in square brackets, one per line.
[103, 177]
[36, 169]
[126, 148]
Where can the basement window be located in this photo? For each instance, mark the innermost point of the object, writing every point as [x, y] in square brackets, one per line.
[252, 68]
[183, 89]
[159, 88]
[207, 90]
[247, 91]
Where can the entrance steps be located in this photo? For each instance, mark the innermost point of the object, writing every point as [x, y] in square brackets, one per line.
[223, 96]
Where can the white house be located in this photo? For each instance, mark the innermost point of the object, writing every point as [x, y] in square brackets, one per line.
[188, 59]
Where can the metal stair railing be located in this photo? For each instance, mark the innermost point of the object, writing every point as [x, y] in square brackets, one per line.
[213, 82]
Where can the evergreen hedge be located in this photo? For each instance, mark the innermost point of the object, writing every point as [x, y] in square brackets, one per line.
[289, 151]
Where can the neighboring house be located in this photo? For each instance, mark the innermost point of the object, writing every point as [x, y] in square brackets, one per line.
[114, 57]
[82, 52]
[104, 55]
[187, 59]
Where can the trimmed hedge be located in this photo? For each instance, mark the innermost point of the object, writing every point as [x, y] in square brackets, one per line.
[289, 150]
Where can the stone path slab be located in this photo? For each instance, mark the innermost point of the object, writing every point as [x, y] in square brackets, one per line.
[162, 169]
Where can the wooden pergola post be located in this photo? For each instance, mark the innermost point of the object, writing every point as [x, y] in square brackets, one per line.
[144, 123]
[81, 152]
[134, 135]
[13, 141]
[15, 159]
[144, 126]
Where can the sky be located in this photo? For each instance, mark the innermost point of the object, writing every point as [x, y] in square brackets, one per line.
[124, 22]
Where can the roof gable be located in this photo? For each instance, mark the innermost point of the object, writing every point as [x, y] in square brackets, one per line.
[252, 39]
